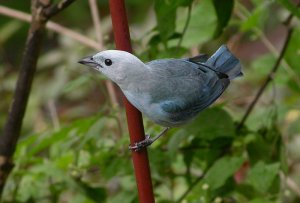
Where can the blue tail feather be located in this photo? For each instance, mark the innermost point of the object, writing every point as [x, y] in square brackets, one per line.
[225, 62]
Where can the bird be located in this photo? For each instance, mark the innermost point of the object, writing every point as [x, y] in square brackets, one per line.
[170, 92]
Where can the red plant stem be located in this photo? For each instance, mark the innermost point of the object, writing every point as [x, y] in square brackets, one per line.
[134, 117]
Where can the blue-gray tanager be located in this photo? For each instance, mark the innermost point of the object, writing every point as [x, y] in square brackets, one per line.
[170, 92]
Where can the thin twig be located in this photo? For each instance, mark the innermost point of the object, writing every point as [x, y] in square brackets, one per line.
[269, 78]
[52, 26]
[97, 24]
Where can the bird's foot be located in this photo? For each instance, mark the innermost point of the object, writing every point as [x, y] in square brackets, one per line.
[138, 146]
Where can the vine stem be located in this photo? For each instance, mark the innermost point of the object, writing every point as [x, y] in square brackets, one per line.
[134, 117]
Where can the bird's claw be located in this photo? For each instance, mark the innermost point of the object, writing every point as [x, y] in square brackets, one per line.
[138, 146]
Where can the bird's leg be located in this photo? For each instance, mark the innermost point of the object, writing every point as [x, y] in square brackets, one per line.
[147, 141]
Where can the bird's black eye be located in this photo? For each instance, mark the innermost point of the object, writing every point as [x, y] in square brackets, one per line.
[108, 62]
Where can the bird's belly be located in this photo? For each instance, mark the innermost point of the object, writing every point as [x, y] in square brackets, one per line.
[154, 111]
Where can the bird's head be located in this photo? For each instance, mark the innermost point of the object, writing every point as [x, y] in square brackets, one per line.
[116, 65]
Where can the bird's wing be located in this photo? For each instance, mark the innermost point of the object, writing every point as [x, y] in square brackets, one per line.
[180, 86]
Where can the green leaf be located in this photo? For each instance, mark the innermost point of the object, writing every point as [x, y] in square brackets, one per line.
[260, 200]
[262, 175]
[175, 140]
[265, 145]
[78, 127]
[65, 160]
[84, 158]
[291, 7]
[257, 17]
[165, 11]
[165, 16]
[202, 24]
[9, 29]
[172, 52]
[211, 124]
[292, 57]
[98, 194]
[124, 197]
[184, 2]
[221, 170]
[223, 10]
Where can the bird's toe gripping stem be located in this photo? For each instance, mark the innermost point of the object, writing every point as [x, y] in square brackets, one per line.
[142, 144]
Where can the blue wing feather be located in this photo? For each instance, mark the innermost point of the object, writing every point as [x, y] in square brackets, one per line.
[183, 88]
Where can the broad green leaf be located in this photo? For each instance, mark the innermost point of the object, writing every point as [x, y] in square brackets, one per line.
[79, 126]
[223, 10]
[27, 188]
[202, 24]
[291, 7]
[212, 123]
[111, 166]
[265, 146]
[84, 158]
[256, 18]
[262, 175]
[260, 200]
[172, 52]
[246, 190]
[165, 16]
[124, 197]
[175, 140]
[165, 11]
[98, 194]
[65, 160]
[184, 2]
[221, 170]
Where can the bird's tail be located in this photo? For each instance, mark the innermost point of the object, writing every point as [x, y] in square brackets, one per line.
[225, 62]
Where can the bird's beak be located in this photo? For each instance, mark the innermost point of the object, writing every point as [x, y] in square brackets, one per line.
[89, 62]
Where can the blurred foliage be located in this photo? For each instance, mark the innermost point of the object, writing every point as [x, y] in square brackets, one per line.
[74, 144]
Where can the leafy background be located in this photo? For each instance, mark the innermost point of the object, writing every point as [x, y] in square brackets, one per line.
[74, 142]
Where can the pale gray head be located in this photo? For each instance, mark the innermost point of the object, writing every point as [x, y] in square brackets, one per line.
[116, 65]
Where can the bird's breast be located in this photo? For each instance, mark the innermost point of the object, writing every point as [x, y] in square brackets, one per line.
[144, 103]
